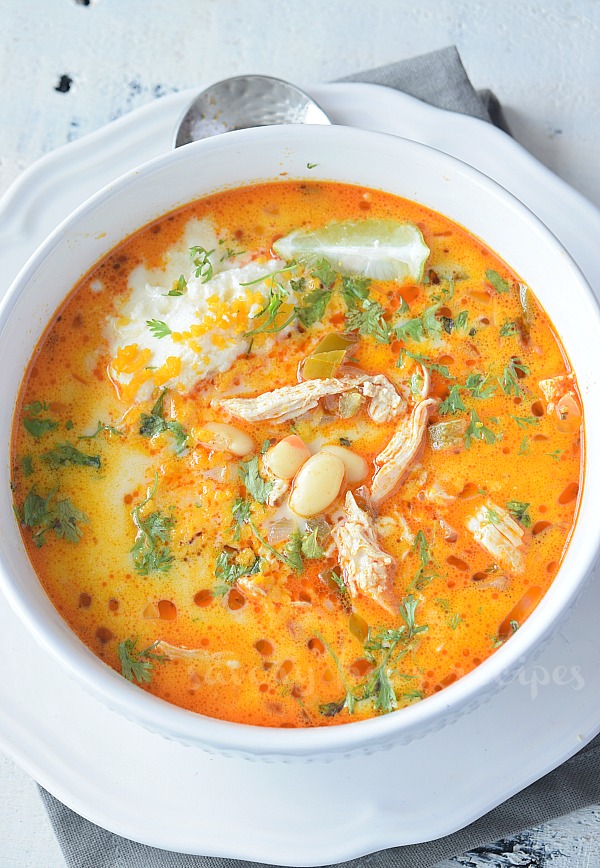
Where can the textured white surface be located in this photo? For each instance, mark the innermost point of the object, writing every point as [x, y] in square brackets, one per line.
[541, 60]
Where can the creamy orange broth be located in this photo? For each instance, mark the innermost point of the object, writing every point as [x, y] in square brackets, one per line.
[288, 654]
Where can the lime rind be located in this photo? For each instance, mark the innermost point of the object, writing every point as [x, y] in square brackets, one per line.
[379, 249]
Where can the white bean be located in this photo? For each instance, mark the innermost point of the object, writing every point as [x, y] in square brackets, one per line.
[225, 438]
[356, 466]
[317, 484]
[286, 458]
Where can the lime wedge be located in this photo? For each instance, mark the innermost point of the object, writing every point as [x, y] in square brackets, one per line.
[380, 249]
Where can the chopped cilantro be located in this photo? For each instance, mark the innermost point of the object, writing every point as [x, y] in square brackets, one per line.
[158, 328]
[137, 665]
[508, 329]
[498, 282]
[155, 423]
[453, 403]
[101, 427]
[476, 384]
[179, 286]
[519, 511]
[65, 453]
[35, 425]
[60, 517]
[510, 377]
[478, 431]
[202, 263]
[525, 421]
[151, 552]
[253, 481]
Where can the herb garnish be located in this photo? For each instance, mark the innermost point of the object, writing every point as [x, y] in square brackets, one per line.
[228, 572]
[101, 427]
[519, 511]
[476, 384]
[453, 403]
[478, 431]
[151, 552]
[525, 421]
[136, 664]
[155, 423]
[61, 517]
[508, 329]
[33, 423]
[426, 362]
[158, 328]
[203, 265]
[510, 378]
[179, 286]
[498, 282]
[65, 453]
[253, 481]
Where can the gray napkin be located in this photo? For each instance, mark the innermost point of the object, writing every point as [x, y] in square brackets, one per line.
[438, 78]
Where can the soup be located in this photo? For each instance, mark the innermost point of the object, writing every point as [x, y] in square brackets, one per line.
[298, 454]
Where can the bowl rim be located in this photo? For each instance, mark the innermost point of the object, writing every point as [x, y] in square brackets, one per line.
[273, 742]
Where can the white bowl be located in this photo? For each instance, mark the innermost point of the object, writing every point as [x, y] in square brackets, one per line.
[349, 155]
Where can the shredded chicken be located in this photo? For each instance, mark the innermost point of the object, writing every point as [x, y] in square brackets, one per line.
[499, 534]
[289, 402]
[555, 388]
[280, 486]
[366, 567]
[178, 652]
[385, 403]
[403, 449]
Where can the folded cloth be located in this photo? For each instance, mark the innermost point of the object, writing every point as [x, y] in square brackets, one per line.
[438, 78]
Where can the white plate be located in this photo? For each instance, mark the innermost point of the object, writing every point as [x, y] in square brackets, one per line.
[166, 795]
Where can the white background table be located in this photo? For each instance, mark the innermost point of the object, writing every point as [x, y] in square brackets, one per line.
[68, 67]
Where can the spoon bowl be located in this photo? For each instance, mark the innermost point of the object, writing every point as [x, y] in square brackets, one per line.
[246, 101]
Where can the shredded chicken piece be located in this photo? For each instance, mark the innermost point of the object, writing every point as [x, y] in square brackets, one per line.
[280, 486]
[178, 652]
[426, 374]
[499, 534]
[385, 402]
[555, 388]
[450, 533]
[289, 402]
[403, 449]
[366, 567]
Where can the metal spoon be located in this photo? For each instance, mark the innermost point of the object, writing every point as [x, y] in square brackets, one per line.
[246, 101]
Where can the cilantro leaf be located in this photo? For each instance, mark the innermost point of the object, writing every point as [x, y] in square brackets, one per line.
[253, 481]
[510, 377]
[155, 423]
[151, 552]
[228, 572]
[453, 403]
[314, 306]
[62, 517]
[101, 427]
[203, 265]
[519, 511]
[158, 328]
[137, 665]
[478, 431]
[179, 286]
[32, 422]
[498, 282]
[65, 454]
[476, 384]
